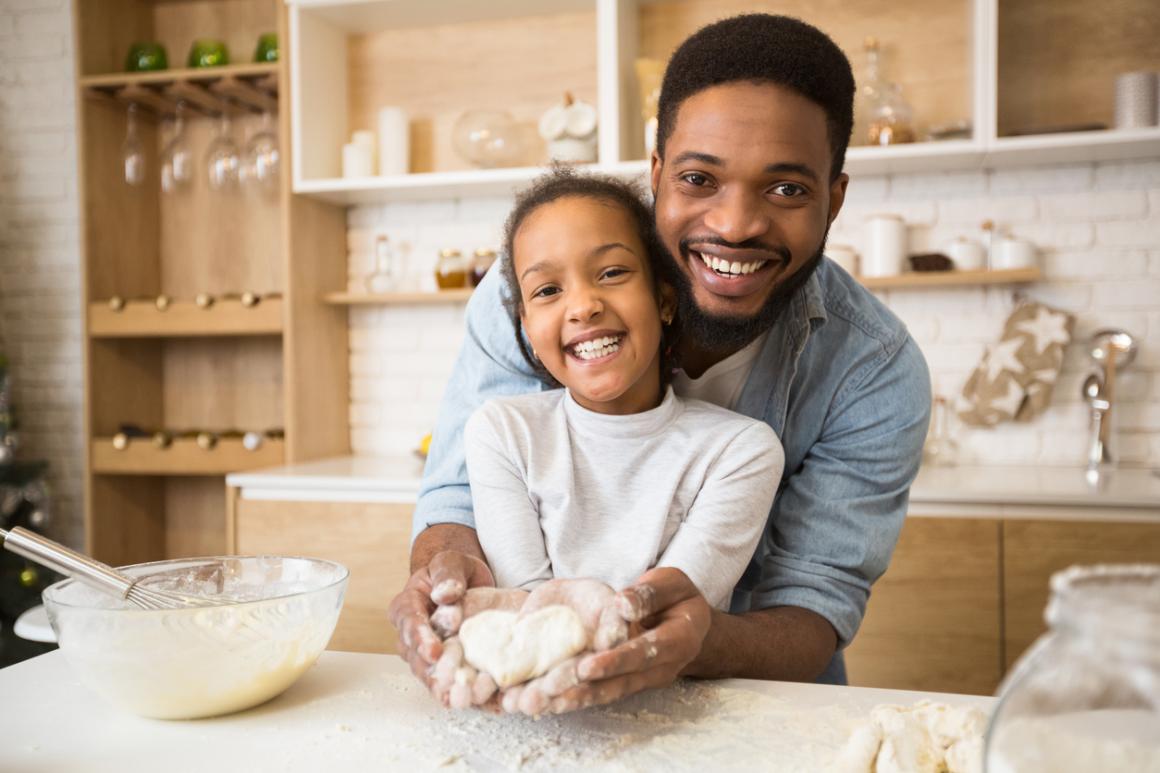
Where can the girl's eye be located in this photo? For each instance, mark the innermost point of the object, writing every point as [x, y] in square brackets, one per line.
[545, 292]
[789, 190]
[612, 273]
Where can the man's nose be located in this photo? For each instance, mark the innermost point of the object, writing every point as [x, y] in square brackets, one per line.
[584, 304]
[738, 216]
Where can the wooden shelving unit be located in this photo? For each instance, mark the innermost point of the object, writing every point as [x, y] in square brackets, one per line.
[398, 299]
[280, 363]
[142, 319]
[183, 458]
[928, 279]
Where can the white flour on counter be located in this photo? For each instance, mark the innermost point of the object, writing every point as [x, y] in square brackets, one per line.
[692, 724]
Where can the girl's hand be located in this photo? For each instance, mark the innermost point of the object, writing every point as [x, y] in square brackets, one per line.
[454, 682]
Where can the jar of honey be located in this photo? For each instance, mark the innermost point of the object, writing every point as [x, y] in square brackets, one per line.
[451, 270]
[482, 261]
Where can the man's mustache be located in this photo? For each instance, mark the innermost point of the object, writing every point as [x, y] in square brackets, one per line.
[748, 244]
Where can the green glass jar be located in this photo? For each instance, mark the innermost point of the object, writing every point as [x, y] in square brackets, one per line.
[267, 50]
[208, 53]
[146, 57]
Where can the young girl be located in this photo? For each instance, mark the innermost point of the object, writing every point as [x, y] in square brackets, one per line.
[613, 474]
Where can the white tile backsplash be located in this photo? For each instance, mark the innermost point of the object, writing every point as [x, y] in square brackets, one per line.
[1097, 227]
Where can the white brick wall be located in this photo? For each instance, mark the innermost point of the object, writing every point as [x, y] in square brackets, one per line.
[1097, 227]
[40, 294]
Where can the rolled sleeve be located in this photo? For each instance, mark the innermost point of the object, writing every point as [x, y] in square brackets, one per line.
[489, 365]
[837, 518]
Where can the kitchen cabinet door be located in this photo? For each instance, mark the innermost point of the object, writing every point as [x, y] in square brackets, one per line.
[932, 622]
[371, 539]
[1034, 550]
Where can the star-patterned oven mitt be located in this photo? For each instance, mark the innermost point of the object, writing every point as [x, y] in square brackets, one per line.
[1016, 376]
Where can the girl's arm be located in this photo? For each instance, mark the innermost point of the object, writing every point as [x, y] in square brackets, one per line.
[506, 518]
[716, 540]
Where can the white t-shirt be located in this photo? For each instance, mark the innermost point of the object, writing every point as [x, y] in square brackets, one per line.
[722, 383]
[561, 491]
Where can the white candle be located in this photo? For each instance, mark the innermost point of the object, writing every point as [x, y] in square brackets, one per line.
[357, 160]
[394, 141]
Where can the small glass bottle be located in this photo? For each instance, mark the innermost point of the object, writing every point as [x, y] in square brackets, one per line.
[385, 277]
[483, 260]
[940, 448]
[1086, 695]
[451, 270]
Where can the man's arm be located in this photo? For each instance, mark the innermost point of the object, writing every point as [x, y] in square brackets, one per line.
[788, 644]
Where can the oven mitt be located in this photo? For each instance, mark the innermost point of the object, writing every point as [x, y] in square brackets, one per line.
[1015, 379]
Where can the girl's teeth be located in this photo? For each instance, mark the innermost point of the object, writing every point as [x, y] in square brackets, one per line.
[726, 268]
[597, 347]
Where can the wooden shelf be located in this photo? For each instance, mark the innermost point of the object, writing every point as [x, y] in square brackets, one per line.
[142, 319]
[210, 89]
[183, 457]
[398, 299]
[951, 279]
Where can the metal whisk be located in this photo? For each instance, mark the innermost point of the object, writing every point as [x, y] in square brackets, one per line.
[93, 573]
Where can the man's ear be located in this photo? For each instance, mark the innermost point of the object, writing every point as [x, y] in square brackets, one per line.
[837, 197]
[655, 173]
[668, 303]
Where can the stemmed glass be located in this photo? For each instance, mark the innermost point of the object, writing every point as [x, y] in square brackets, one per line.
[222, 158]
[260, 161]
[177, 158]
[132, 151]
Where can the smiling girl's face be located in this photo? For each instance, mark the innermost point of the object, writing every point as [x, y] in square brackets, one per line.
[590, 308]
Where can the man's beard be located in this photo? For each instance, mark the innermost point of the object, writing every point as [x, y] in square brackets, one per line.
[715, 332]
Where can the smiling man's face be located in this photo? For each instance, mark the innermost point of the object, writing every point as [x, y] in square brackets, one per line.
[743, 203]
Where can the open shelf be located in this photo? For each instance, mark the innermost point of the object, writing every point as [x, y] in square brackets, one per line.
[142, 319]
[398, 299]
[183, 457]
[210, 89]
[917, 279]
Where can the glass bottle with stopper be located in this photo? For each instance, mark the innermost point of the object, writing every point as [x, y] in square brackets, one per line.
[881, 116]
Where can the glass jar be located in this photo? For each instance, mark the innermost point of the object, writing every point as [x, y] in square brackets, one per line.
[483, 260]
[1086, 695]
[451, 270]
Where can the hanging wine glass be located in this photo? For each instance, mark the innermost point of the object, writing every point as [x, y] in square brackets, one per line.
[132, 151]
[260, 160]
[221, 158]
[177, 158]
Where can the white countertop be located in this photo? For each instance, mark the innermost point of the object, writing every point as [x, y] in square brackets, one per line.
[1008, 491]
[356, 712]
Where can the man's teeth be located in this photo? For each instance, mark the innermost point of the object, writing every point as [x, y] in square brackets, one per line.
[731, 269]
[597, 347]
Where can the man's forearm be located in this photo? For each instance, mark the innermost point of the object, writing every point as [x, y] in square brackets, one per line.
[783, 643]
[444, 536]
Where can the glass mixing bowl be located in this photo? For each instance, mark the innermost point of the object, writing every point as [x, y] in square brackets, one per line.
[277, 616]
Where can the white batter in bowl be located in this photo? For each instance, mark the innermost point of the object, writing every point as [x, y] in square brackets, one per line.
[277, 615]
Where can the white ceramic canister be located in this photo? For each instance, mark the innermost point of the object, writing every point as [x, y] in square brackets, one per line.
[1010, 253]
[357, 160]
[966, 254]
[886, 245]
[1135, 100]
[845, 256]
[394, 141]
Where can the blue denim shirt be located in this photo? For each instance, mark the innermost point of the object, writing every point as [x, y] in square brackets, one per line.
[841, 383]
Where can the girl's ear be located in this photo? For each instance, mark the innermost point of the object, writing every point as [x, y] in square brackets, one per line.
[668, 303]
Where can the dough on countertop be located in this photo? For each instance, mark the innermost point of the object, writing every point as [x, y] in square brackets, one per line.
[924, 738]
[514, 648]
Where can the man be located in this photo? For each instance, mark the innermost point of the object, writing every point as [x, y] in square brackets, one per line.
[754, 119]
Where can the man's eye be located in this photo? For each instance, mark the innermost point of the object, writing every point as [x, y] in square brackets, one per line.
[789, 190]
[695, 178]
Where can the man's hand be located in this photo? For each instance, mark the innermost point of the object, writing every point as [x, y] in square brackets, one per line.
[676, 617]
[444, 580]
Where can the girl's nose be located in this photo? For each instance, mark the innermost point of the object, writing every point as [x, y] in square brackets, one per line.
[585, 305]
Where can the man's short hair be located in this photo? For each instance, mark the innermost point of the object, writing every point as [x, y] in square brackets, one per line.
[763, 48]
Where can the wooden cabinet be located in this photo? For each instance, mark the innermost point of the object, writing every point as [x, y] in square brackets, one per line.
[156, 359]
[1034, 550]
[964, 597]
[933, 620]
[371, 539]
